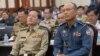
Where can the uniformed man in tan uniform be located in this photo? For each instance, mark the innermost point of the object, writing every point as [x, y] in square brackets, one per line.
[82, 18]
[22, 17]
[81, 15]
[48, 21]
[33, 40]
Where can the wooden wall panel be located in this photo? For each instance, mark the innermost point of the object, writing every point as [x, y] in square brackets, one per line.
[17, 4]
[14, 5]
[37, 3]
[25, 3]
[20, 3]
[11, 3]
[7, 4]
[43, 3]
[31, 3]
[2, 4]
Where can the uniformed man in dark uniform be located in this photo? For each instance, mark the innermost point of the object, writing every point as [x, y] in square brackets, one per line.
[73, 38]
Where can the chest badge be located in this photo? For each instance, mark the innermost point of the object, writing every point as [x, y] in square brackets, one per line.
[77, 34]
[64, 33]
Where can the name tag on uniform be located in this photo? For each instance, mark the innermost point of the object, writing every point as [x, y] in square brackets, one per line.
[23, 39]
[25, 54]
[51, 42]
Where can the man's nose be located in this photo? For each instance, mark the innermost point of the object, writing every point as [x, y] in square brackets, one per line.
[30, 18]
[65, 12]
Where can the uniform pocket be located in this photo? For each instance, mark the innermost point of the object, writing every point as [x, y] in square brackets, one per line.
[36, 42]
[36, 39]
[22, 39]
[77, 37]
[77, 40]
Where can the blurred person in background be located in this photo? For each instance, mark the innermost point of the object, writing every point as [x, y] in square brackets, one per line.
[98, 8]
[80, 14]
[85, 8]
[7, 19]
[92, 15]
[48, 21]
[15, 15]
[61, 9]
[60, 20]
[0, 14]
[22, 18]
[55, 12]
[92, 19]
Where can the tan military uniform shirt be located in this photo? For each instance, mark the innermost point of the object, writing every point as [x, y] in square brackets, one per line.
[17, 26]
[49, 24]
[33, 41]
[83, 18]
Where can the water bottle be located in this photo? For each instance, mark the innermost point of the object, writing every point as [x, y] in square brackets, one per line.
[6, 40]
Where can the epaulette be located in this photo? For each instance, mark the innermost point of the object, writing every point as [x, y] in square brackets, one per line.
[62, 24]
[23, 29]
[43, 27]
[82, 23]
[16, 23]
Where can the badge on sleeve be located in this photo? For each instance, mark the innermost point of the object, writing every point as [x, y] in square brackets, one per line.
[88, 32]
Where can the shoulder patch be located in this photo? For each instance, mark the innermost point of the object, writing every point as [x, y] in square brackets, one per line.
[88, 32]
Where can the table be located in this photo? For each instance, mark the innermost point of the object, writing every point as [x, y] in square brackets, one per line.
[5, 49]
